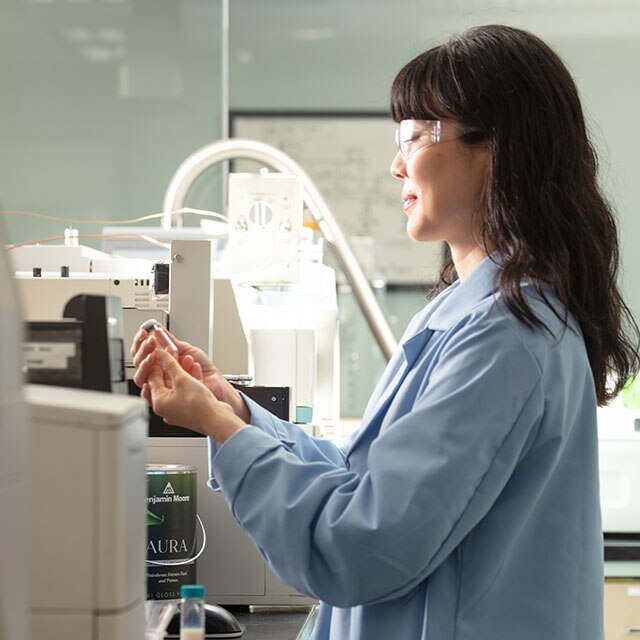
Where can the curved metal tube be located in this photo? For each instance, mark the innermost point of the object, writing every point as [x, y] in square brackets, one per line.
[215, 152]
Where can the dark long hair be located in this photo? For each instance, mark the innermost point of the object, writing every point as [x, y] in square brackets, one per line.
[542, 208]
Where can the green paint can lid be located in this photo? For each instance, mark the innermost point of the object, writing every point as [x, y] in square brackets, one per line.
[192, 591]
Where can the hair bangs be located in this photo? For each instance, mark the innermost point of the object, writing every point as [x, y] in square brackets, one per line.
[415, 92]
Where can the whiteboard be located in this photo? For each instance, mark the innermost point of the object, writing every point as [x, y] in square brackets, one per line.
[348, 157]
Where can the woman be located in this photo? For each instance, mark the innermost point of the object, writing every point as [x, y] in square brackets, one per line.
[467, 506]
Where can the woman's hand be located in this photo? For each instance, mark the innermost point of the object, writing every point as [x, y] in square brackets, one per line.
[144, 344]
[182, 399]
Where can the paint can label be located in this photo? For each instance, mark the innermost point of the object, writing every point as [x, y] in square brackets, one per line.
[171, 529]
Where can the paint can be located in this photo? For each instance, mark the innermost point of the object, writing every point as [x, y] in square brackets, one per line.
[171, 529]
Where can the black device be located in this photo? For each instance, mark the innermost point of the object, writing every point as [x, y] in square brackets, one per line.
[274, 399]
[219, 623]
[84, 350]
[160, 272]
[622, 546]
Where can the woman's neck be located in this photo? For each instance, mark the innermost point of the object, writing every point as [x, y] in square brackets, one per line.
[466, 260]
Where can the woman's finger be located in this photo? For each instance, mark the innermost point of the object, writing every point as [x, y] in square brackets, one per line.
[169, 367]
[145, 394]
[144, 369]
[196, 371]
[186, 362]
[155, 374]
[144, 349]
[138, 339]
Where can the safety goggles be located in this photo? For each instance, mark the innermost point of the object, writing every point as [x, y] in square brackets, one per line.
[413, 135]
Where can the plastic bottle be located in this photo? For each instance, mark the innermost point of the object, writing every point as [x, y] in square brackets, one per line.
[161, 336]
[192, 612]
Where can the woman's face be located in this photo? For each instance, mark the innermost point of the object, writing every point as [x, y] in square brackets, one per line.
[442, 186]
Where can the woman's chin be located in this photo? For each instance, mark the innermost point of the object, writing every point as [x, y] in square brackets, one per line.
[420, 235]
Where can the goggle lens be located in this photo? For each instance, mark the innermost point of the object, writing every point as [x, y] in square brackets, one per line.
[413, 135]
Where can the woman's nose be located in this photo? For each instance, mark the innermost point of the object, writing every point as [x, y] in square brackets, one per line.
[397, 168]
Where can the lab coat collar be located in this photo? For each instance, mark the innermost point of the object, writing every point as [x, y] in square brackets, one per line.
[415, 344]
[461, 297]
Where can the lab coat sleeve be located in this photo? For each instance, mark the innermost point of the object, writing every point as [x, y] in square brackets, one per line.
[432, 476]
[291, 436]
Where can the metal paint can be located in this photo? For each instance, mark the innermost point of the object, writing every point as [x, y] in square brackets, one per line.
[171, 529]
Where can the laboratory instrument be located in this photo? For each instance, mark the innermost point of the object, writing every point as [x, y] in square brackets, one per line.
[215, 152]
[86, 520]
[304, 384]
[243, 326]
[84, 349]
[265, 219]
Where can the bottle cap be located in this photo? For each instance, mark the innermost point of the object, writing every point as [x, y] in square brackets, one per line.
[149, 325]
[192, 591]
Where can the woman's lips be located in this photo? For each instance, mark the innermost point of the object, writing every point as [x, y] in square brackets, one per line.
[408, 200]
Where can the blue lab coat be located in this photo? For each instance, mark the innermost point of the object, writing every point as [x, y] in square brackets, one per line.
[467, 505]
